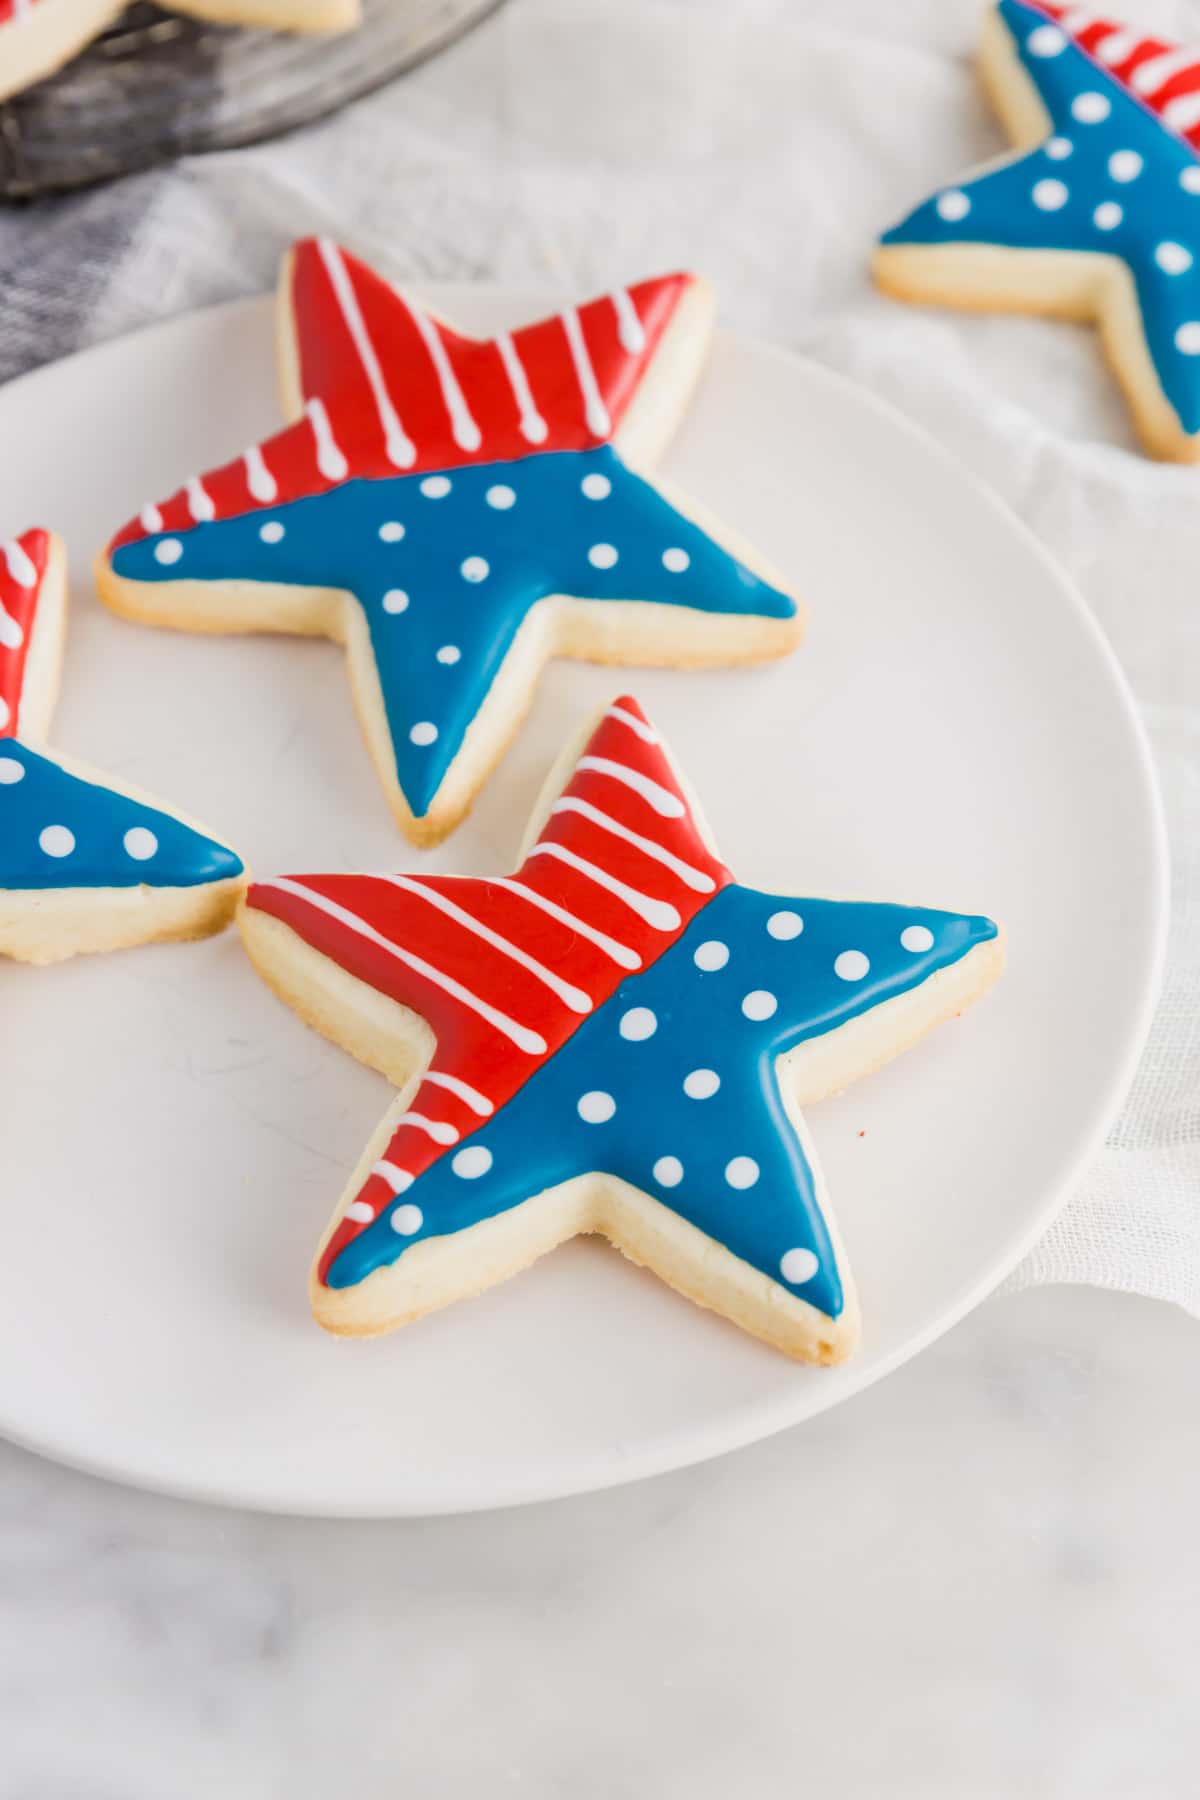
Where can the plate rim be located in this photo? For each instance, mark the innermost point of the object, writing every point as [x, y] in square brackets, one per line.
[721, 1436]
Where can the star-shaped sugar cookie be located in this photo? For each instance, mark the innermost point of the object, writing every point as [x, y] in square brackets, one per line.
[38, 36]
[1095, 216]
[84, 865]
[456, 510]
[617, 1039]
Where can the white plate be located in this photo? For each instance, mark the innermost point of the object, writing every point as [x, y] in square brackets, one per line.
[954, 731]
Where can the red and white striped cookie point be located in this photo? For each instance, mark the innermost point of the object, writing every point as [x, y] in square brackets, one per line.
[1164, 75]
[23, 563]
[506, 969]
[387, 389]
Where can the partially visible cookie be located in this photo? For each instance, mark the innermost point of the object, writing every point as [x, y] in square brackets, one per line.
[617, 1039]
[38, 36]
[85, 864]
[455, 511]
[1096, 215]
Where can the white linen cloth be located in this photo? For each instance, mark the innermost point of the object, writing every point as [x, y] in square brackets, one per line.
[582, 141]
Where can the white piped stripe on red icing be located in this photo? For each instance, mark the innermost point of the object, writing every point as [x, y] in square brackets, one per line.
[518, 1034]
[660, 798]
[387, 388]
[594, 409]
[568, 993]
[467, 434]
[520, 960]
[533, 427]
[259, 479]
[23, 563]
[1163, 75]
[200, 502]
[330, 459]
[401, 451]
[629, 325]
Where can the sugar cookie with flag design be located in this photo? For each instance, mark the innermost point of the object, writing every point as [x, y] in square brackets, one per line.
[455, 511]
[38, 36]
[1095, 216]
[616, 1039]
[84, 864]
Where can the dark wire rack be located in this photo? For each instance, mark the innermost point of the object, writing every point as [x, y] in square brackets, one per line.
[156, 85]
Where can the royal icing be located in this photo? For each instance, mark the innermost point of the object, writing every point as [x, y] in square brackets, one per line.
[616, 1006]
[1117, 174]
[60, 830]
[22, 565]
[450, 485]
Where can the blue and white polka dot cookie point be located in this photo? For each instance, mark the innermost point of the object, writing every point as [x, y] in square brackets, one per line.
[1115, 177]
[83, 866]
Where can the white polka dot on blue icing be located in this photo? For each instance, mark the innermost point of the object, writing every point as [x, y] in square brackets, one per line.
[675, 561]
[668, 1171]
[271, 532]
[449, 653]
[391, 531]
[1108, 215]
[1189, 178]
[596, 487]
[711, 955]
[851, 965]
[953, 205]
[741, 1172]
[1173, 258]
[798, 1266]
[701, 1084]
[435, 487]
[1187, 338]
[1049, 195]
[1046, 40]
[1090, 108]
[916, 938]
[759, 1004]
[168, 551]
[56, 840]
[11, 771]
[596, 1107]
[501, 496]
[424, 732]
[395, 601]
[1059, 148]
[472, 1161]
[1125, 165]
[638, 1023]
[474, 568]
[140, 843]
[785, 925]
[407, 1220]
[602, 556]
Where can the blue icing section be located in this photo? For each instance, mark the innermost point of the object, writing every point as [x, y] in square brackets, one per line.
[671, 1085]
[447, 566]
[1110, 178]
[59, 831]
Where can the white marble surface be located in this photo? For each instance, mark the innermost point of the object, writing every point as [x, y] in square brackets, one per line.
[977, 1580]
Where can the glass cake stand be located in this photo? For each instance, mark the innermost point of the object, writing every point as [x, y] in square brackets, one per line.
[156, 85]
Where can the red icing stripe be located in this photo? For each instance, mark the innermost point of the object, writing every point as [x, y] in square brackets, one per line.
[22, 566]
[1171, 89]
[506, 970]
[390, 391]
